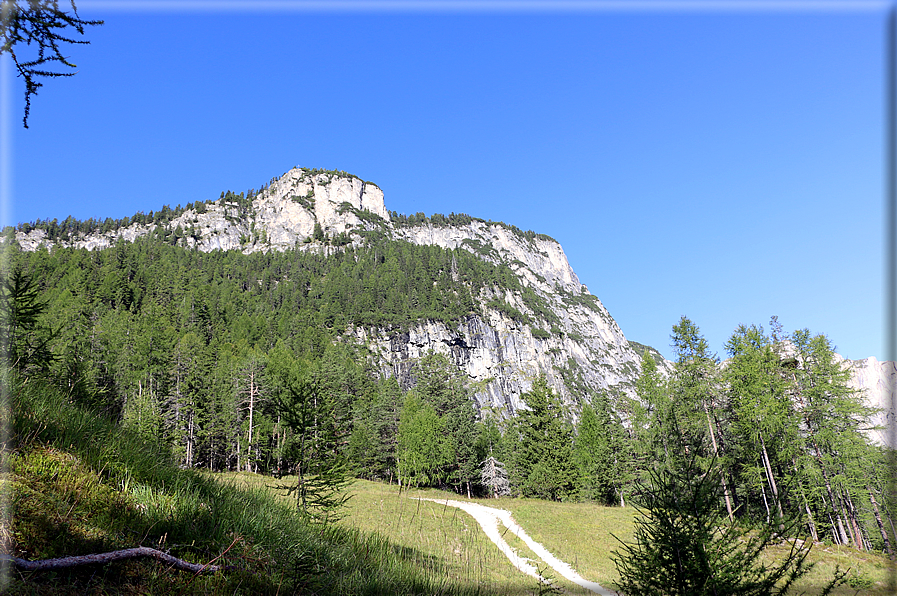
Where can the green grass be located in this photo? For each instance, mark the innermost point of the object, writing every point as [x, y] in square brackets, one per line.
[445, 541]
[577, 533]
[581, 534]
[79, 485]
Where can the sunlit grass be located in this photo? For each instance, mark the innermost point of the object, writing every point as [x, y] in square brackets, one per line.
[81, 485]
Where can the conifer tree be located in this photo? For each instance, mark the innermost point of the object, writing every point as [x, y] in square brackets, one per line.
[323, 472]
[424, 449]
[494, 477]
[763, 423]
[685, 546]
[596, 453]
[440, 385]
[832, 415]
[695, 393]
[543, 463]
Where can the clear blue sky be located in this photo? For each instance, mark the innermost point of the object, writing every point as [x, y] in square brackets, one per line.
[727, 165]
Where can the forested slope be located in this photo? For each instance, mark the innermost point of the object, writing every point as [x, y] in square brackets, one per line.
[537, 320]
[303, 328]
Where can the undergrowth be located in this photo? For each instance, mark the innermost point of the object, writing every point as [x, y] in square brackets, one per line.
[79, 484]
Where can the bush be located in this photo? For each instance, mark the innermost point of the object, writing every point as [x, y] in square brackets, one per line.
[686, 546]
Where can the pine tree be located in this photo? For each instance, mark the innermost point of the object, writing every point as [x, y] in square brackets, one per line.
[764, 427]
[595, 453]
[323, 472]
[440, 385]
[424, 449]
[832, 415]
[543, 463]
[25, 340]
[695, 392]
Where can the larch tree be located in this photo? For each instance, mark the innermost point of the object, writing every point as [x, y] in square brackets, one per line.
[833, 415]
[695, 393]
[763, 421]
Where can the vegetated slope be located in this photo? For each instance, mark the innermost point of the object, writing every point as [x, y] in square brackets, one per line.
[77, 485]
[537, 319]
[503, 333]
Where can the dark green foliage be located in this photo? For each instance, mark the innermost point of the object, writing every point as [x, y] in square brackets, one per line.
[423, 451]
[323, 471]
[24, 338]
[543, 464]
[437, 440]
[128, 313]
[685, 546]
[599, 452]
[540, 333]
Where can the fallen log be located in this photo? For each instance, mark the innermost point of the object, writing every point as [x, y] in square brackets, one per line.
[110, 557]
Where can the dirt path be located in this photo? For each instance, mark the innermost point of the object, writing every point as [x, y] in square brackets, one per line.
[489, 518]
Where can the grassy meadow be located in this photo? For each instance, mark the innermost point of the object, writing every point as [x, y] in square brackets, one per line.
[76, 484]
[581, 534]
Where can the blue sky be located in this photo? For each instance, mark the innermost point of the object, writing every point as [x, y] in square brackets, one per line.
[723, 164]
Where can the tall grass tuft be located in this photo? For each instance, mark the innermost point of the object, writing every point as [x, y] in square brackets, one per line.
[81, 484]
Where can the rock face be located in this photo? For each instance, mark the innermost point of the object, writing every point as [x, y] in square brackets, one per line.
[877, 380]
[574, 342]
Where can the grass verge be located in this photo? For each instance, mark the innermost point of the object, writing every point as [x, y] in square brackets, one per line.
[78, 484]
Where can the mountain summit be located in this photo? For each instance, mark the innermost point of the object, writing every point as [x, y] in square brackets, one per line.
[553, 326]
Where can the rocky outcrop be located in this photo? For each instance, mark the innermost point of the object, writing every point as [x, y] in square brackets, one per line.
[573, 340]
[575, 343]
[877, 380]
[280, 217]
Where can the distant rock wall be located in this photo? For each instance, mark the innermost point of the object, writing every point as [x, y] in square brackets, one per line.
[585, 351]
[877, 379]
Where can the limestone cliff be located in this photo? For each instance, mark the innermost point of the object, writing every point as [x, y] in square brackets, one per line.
[573, 340]
[877, 380]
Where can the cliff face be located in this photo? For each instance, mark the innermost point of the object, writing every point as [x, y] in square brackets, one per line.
[878, 380]
[573, 340]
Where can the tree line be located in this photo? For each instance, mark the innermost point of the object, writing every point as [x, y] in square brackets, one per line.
[237, 362]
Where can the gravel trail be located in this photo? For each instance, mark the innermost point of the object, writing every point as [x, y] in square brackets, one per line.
[489, 519]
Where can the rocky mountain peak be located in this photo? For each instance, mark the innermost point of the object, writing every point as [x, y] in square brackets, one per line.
[554, 327]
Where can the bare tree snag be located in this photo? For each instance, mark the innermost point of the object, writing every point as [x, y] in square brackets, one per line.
[110, 557]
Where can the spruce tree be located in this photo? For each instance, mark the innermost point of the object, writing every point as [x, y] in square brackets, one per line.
[596, 453]
[543, 463]
[424, 447]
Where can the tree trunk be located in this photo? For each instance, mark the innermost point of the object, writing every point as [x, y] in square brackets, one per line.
[831, 495]
[772, 480]
[190, 440]
[251, 411]
[803, 497]
[716, 453]
[765, 502]
[110, 557]
[861, 540]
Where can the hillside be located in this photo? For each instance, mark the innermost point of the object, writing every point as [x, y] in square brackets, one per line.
[551, 325]
[81, 485]
[303, 330]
